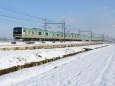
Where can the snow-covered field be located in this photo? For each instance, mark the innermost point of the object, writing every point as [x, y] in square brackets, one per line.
[20, 57]
[92, 68]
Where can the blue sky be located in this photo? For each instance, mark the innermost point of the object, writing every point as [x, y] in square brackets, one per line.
[95, 15]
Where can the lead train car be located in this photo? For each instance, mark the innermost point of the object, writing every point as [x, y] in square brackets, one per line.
[36, 34]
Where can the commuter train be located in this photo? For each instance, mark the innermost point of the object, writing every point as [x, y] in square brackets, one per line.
[36, 34]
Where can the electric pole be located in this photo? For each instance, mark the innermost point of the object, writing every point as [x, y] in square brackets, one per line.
[45, 23]
[102, 37]
[62, 23]
[91, 34]
[64, 29]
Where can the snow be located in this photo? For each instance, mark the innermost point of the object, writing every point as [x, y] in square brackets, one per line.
[20, 57]
[39, 42]
[92, 68]
[13, 58]
[7, 45]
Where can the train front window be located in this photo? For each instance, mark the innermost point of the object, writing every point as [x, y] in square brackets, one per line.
[17, 30]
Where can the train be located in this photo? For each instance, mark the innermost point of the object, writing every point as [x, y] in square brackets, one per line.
[37, 34]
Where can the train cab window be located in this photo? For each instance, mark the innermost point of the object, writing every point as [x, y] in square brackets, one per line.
[39, 33]
[46, 34]
[17, 30]
[62, 35]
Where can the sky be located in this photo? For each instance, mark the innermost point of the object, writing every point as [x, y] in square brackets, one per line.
[86, 15]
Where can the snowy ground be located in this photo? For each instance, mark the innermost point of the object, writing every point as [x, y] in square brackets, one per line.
[40, 42]
[8, 45]
[20, 57]
[92, 68]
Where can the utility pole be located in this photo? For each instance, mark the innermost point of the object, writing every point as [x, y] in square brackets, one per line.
[91, 34]
[64, 29]
[102, 37]
[107, 38]
[45, 23]
[79, 32]
[99, 36]
[63, 26]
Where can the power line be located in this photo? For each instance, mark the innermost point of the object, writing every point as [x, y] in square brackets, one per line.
[43, 19]
[16, 18]
[63, 27]
[77, 29]
[21, 13]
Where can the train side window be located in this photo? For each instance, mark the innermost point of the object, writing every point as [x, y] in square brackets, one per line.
[32, 32]
[57, 34]
[46, 34]
[24, 30]
[39, 33]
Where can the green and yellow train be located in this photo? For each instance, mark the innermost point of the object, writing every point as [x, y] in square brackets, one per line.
[36, 34]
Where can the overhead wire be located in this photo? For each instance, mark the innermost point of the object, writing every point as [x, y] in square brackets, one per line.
[21, 13]
[12, 17]
[43, 19]
[3, 8]
[16, 18]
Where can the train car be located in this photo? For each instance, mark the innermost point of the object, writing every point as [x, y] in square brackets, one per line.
[37, 34]
[27, 34]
